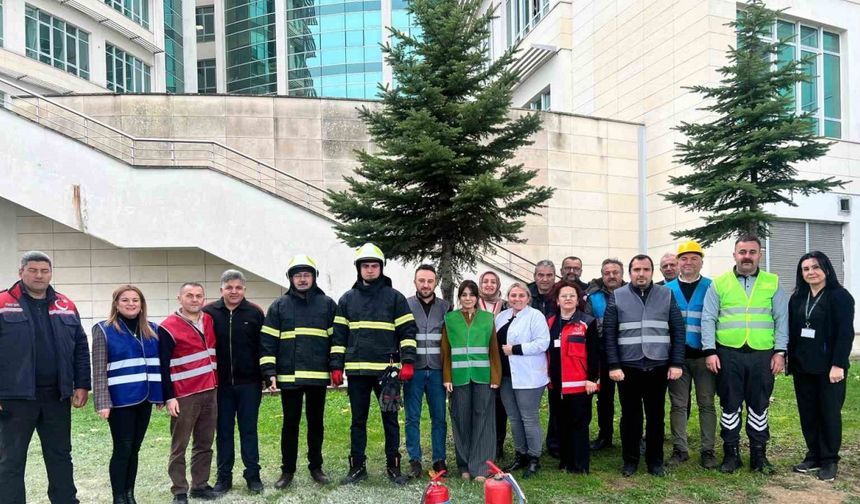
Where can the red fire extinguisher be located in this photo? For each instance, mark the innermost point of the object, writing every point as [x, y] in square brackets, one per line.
[436, 492]
[501, 487]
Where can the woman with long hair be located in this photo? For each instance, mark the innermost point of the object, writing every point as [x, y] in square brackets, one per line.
[820, 336]
[523, 339]
[126, 383]
[573, 371]
[471, 370]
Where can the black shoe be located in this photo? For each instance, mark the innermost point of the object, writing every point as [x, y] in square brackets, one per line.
[657, 470]
[708, 460]
[629, 469]
[807, 466]
[392, 469]
[759, 461]
[532, 467]
[180, 499]
[120, 498]
[731, 459]
[439, 466]
[828, 471]
[600, 443]
[204, 493]
[415, 470]
[223, 486]
[678, 457]
[357, 472]
[553, 452]
[320, 477]
[129, 496]
[284, 481]
[521, 460]
[255, 486]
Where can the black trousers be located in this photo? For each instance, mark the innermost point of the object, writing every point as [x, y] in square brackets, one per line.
[574, 417]
[238, 404]
[643, 389]
[819, 403]
[744, 377]
[359, 390]
[291, 404]
[605, 405]
[52, 419]
[552, 435]
[501, 423]
[127, 428]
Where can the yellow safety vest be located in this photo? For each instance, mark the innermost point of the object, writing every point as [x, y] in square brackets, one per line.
[746, 320]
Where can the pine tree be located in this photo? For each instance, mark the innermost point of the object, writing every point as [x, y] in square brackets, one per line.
[744, 159]
[442, 186]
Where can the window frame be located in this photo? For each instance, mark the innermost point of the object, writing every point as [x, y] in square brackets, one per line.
[60, 32]
[132, 68]
[205, 15]
[138, 11]
[205, 65]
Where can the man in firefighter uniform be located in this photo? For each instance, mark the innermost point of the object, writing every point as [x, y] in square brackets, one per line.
[186, 347]
[377, 328]
[296, 344]
[689, 289]
[744, 336]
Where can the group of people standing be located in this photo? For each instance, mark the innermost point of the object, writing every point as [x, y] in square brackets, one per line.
[489, 359]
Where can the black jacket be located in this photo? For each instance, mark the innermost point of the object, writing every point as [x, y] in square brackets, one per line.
[296, 341]
[376, 326]
[237, 341]
[833, 322]
[17, 345]
[540, 301]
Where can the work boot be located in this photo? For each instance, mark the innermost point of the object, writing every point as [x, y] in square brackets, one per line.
[731, 459]
[678, 457]
[439, 466]
[759, 461]
[129, 496]
[415, 470]
[255, 485]
[392, 469]
[629, 469]
[357, 472]
[709, 460]
[284, 481]
[120, 498]
[532, 467]
[600, 443]
[520, 460]
[204, 493]
[657, 470]
[319, 476]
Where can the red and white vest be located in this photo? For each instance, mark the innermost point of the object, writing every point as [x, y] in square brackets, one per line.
[574, 356]
[193, 366]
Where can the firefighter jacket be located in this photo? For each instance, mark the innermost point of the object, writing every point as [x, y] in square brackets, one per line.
[296, 343]
[18, 345]
[376, 326]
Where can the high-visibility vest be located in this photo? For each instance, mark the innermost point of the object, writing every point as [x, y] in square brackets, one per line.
[746, 320]
[470, 347]
[692, 310]
[133, 369]
[643, 329]
[429, 337]
[193, 365]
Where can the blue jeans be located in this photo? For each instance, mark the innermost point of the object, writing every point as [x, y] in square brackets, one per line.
[427, 381]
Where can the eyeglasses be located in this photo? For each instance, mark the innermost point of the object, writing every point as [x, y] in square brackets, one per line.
[567, 296]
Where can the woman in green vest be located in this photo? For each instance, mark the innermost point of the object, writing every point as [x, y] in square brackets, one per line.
[471, 370]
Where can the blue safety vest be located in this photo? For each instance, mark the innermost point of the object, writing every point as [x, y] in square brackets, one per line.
[692, 310]
[133, 370]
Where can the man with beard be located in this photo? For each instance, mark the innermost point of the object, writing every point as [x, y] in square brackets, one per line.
[745, 336]
[296, 349]
[429, 312]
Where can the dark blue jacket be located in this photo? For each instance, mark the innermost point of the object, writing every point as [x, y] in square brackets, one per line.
[17, 345]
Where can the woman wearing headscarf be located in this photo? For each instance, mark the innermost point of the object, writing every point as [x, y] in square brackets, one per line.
[471, 370]
[523, 339]
[491, 300]
[820, 336]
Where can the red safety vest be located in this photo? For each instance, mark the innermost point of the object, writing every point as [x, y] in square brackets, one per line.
[193, 365]
[574, 356]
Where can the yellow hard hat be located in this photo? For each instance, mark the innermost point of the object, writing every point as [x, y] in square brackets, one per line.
[301, 261]
[369, 252]
[690, 246]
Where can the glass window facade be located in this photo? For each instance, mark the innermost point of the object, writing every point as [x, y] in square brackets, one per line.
[523, 15]
[205, 17]
[821, 94]
[125, 73]
[333, 48]
[136, 10]
[250, 40]
[206, 76]
[55, 42]
[174, 60]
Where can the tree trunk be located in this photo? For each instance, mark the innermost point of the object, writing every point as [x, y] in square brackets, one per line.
[446, 274]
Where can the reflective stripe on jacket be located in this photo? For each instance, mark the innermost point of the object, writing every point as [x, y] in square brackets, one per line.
[193, 365]
[691, 310]
[746, 320]
[133, 369]
[643, 328]
[470, 347]
[429, 334]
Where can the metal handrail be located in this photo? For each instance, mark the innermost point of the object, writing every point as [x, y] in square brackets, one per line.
[144, 151]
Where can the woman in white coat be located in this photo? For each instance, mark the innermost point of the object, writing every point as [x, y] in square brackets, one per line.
[523, 338]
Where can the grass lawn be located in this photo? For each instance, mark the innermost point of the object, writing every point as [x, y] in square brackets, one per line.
[92, 448]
